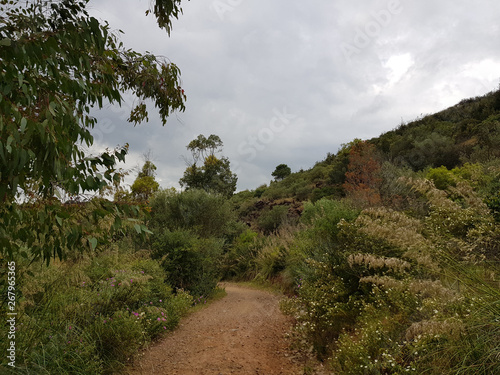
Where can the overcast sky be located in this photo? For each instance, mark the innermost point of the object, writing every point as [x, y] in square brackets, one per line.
[287, 81]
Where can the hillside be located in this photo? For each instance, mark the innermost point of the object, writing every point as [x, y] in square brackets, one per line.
[389, 249]
[467, 133]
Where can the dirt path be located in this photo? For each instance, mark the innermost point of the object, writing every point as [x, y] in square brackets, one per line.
[243, 333]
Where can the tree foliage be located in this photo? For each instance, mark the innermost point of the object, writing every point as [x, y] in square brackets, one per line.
[215, 174]
[145, 184]
[57, 63]
[281, 172]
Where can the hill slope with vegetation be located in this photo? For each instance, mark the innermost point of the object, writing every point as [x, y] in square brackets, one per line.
[389, 249]
[466, 136]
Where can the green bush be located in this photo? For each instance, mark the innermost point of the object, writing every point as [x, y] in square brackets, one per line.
[390, 294]
[329, 192]
[271, 219]
[190, 262]
[239, 261]
[260, 190]
[324, 215]
[118, 337]
[302, 192]
[192, 230]
[207, 215]
[373, 348]
[441, 177]
[493, 202]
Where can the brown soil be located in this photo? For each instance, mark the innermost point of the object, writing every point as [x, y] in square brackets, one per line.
[243, 333]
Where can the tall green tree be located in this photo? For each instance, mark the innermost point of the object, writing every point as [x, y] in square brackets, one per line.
[145, 184]
[282, 171]
[56, 64]
[214, 174]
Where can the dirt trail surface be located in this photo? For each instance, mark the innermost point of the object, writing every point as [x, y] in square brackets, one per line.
[243, 333]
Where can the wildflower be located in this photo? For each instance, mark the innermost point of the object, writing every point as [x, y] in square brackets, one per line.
[159, 319]
[164, 327]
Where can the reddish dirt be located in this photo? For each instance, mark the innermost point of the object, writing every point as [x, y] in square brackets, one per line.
[243, 333]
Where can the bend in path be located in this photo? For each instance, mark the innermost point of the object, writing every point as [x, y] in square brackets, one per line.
[243, 333]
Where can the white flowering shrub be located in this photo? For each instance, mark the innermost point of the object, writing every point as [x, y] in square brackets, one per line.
[391, 293]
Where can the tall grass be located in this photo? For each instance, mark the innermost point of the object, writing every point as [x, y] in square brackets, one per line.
[91, 316]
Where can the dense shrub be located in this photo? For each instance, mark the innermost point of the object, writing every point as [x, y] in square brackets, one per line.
[239, 261]
[190, 262]
[324, 215]
[390, 293]
[441, 177]
[271, 219]
[207, 215]
[329, 192]
[192, 230]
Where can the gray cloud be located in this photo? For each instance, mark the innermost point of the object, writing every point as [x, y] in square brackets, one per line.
[345, 70]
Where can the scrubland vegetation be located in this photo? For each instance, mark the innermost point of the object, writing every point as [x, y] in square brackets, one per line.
[392, 266]
[387, 251]
[387, 268]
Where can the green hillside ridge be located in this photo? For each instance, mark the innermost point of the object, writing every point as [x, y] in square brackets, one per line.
[467, 133]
